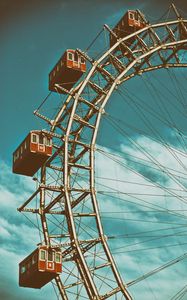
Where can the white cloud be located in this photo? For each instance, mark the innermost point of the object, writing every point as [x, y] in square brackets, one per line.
[19, 237]
[140, 262]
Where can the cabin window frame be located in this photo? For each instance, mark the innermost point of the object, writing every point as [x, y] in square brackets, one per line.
[76, 56]
[17, 154]
[136, 17]
[40, 255]
[131, 16]
[43, 137]
[59, 259]
[82, 60]
[29, 264]
[23, 269]
[51, 252]
[32, 138]
[72, 56]
[48, 141]
[34, 259]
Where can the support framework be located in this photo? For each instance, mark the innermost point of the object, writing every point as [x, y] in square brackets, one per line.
[75, 127]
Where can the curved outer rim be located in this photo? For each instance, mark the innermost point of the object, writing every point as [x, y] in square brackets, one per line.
[88, 281]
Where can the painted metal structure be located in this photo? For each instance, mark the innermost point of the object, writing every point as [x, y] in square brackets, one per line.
[82, 238]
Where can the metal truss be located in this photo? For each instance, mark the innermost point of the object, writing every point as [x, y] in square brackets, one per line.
[69, 205]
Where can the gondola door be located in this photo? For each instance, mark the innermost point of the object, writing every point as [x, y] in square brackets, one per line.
[50, 261]
[41, 144]
[77, 62]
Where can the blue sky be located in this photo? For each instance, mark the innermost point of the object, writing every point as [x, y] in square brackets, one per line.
[33, 37]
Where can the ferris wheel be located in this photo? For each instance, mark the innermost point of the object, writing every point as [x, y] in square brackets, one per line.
[76, 250]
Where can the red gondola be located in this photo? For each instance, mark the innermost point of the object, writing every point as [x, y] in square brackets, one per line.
[67, 71]
[32, 153]
[129, 23]
[40, 267]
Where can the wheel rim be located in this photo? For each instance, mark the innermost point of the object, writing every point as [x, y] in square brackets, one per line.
[72, 149]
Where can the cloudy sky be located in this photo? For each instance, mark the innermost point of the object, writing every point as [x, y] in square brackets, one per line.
[34, 34]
